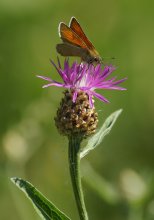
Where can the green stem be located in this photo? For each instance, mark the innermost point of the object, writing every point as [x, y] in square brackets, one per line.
[74, 164]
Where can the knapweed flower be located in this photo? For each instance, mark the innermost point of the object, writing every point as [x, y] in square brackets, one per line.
[76, 114]
[85, 77]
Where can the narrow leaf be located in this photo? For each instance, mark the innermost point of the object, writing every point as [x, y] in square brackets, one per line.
[97, 138]
[45, 209]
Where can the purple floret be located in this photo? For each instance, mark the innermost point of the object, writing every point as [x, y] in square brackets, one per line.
[85, 77]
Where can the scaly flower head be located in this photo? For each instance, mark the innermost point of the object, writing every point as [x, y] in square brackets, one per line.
[85, 77]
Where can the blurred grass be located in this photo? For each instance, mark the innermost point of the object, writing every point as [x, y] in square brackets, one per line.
[30, 144]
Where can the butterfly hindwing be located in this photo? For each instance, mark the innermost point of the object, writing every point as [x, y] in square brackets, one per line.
[66, 49]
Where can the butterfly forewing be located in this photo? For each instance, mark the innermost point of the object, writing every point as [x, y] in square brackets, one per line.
[68, 35]
[75, 26]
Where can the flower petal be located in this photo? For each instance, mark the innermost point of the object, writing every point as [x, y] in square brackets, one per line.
[74, 96]
[54, 84]
[91, 101]
[102, 98]
[119, 81]
[45, 78]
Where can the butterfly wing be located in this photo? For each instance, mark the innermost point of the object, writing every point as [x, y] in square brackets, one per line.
[66, 49]
[75, 26]
[75, 43]
[69, 36]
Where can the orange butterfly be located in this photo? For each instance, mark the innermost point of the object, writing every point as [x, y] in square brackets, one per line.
[76, 43]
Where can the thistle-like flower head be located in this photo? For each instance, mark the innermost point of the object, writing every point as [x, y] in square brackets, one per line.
[85, 77]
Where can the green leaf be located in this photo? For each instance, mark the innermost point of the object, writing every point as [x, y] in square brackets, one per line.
[46, 209]
[97, 138]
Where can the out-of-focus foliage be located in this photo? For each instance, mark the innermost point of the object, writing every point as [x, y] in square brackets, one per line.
[30, 145]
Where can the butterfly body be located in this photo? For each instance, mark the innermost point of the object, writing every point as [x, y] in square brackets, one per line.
[76, 43]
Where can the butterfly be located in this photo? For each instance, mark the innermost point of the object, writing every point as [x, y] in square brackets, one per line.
[76, 43]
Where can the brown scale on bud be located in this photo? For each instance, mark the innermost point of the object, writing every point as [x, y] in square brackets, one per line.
[76, 118]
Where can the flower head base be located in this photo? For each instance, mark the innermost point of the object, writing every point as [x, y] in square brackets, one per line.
[76, 118]
[85, 77]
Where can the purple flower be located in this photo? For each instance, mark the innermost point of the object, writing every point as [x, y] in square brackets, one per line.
[85, 77]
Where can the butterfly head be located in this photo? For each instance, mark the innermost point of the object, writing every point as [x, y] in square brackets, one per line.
[93, 57]
[98, 59]
[95, 60]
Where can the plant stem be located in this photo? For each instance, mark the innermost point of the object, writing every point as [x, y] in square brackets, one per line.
[74, 165]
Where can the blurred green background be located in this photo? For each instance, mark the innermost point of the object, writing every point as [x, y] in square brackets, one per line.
[30, 146]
